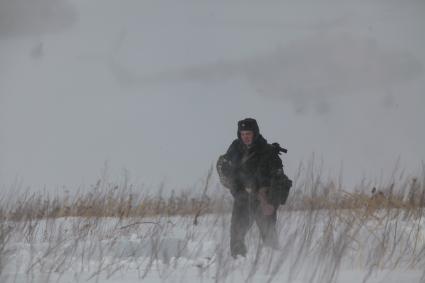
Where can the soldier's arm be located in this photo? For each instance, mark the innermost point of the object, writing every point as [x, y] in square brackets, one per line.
[266, 206]
[262, 196]
[275, 164]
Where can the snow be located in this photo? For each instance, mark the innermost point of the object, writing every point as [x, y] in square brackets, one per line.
[172, 249]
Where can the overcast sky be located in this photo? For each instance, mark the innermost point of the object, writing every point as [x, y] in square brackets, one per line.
[155, 88]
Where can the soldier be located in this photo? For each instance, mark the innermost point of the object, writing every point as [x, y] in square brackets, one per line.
[252, 170]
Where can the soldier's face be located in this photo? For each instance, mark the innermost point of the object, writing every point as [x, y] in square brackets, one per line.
[247, 137]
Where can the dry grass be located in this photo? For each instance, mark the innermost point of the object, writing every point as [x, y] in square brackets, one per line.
[113, 201]
[324, 227]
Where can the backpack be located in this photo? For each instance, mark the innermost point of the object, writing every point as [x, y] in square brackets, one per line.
[280, 183]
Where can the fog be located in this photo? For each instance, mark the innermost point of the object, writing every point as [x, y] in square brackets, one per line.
[152, 90]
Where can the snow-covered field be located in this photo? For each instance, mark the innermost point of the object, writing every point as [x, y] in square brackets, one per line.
[316, 246]
[155, 87]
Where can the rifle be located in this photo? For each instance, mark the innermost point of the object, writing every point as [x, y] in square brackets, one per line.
[279, 149]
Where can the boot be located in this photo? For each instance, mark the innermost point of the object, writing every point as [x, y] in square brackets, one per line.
[238, 249]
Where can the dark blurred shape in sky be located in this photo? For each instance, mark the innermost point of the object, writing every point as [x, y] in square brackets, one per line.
[35, 17]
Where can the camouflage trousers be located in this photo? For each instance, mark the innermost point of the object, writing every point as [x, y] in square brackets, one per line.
[246, 211]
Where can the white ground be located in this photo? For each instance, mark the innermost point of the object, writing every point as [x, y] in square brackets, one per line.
[172, 249]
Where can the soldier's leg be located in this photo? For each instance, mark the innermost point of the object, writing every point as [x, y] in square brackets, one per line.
[241, 221]
[267, 227]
